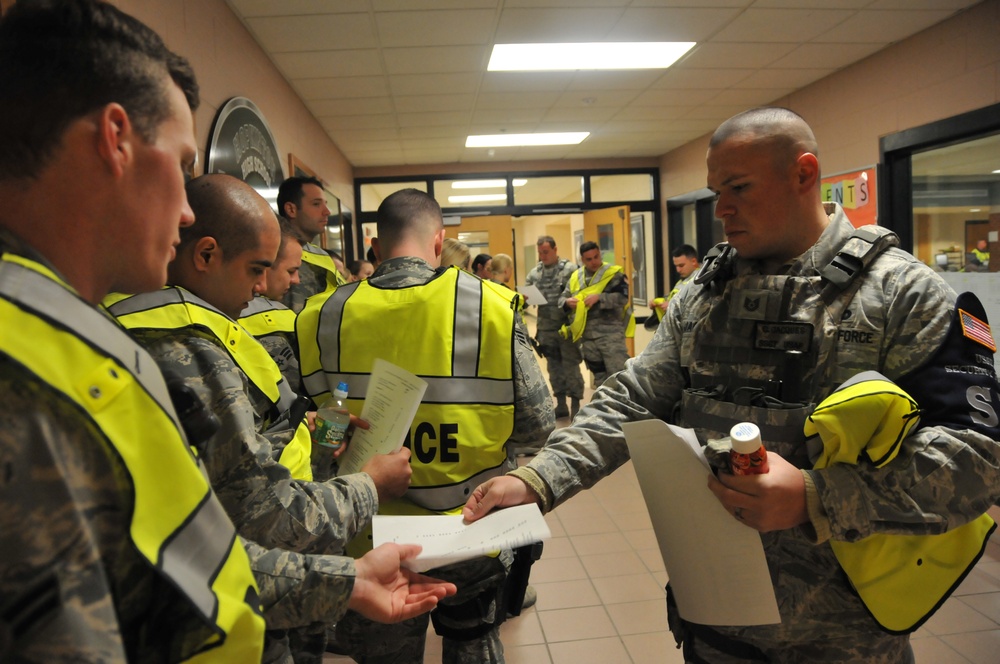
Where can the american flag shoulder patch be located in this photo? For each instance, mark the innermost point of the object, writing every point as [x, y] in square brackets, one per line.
[977, 330]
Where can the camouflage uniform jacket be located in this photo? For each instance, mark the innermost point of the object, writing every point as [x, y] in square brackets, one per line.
[896, 323]
[312, 280]
[265, 503]
[607, 316]
[533, 415]
[73, 587]
[551, 280]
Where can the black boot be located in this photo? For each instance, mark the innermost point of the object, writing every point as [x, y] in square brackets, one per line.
[574, 407]
[561, 409]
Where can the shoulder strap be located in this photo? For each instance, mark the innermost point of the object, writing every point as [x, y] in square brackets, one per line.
[857, 254]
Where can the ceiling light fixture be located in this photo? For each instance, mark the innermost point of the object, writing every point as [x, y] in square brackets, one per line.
[580, 56]
[477, 198]
[486, 184]
[520, 140]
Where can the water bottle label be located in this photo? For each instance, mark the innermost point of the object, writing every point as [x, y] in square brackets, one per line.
[328, 433]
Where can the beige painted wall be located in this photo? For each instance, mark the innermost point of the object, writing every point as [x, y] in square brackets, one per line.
[229, 63]
[946, 70]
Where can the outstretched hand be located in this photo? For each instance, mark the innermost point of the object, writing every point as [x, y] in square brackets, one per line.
[503, 491]
[775, 500]
[387, 593]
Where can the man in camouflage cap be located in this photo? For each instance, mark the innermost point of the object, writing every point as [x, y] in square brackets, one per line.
[485, 394]
[794, 305]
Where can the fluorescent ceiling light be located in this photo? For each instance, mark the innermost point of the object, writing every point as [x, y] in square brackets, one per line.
[594, 55]
[997, 171]
[477, 198]
[516, 140]
[486, 184]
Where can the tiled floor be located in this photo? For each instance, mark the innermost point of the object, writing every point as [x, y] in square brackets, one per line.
[600, 593]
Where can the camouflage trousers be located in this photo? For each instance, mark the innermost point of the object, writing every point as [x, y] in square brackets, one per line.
[605, 354]
[303, 645]
[479, 582]
[562, 358]
[837, 649]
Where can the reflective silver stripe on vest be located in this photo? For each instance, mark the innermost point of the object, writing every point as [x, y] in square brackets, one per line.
[146, 301]
[37, 293]
[468, 321]
[259, 305]
[185, 557]
[440, 389]
[443, 498]
[313, 249]
[328, 338]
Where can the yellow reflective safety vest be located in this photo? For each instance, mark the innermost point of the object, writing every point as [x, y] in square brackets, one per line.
[581, 289]
[264, 316]
[902, 579]
[174, 308]
[177, 523]
[453, 333]
[316, 256]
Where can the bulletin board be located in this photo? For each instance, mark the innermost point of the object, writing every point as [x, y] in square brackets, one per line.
[856, 193]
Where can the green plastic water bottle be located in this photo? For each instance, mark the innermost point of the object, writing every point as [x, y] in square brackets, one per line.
[332, 419]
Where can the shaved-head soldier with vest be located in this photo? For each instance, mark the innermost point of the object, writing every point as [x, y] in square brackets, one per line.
[485, 395]
[258, 460]
[806, 326]
[302, 202]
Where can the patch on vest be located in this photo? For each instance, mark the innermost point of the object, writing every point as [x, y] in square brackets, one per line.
[783, 336]
[750, 304]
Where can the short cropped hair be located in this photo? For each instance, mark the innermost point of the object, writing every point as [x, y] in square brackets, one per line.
[224, 212]
[407, 213]
[685, 250]
[63, 59]
[587, 246]
[546, 238]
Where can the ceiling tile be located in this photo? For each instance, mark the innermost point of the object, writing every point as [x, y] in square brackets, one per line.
[507, 116]
[502, 100]
[342, 87]
[435, 28]
[666, 24]
[674, 97]
[433, 119]
[347, 123]
[325, 107]
[325, 32]
[422, 84]
[787, 79]
[828, 56]
[424, 103]
[435, 59]
[749, 97]
[401, 5]
[743, 55]
[520, 81]
[323, 64]
[781, 25]
[639, 79]
[595, 99]
[881, 26]
[690, 78]
[529, 26]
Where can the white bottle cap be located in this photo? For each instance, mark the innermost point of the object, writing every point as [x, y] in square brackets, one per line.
[745, 438]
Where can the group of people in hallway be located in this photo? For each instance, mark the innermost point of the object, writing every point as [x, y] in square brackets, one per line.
[163, 346]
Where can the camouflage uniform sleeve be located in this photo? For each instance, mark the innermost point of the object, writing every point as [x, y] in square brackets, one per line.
[615, 295]
[576, 457]
[943, 476]
[298, 589]
[534, 418]
[282, 351]
[262, 499]
[62, 507]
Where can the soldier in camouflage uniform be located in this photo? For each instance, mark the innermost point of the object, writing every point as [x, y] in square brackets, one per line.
[410, 237]
[793, 306]
[270, 321]
[302, 202]
[77, 582]
[607, 313]
[562, 356]
[267, 505]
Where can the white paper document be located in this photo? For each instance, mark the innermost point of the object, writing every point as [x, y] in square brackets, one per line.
[715, 563]
[533, 295]
[448, 539]
[392, 400]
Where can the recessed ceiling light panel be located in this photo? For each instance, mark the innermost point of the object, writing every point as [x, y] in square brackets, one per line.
[592, 55]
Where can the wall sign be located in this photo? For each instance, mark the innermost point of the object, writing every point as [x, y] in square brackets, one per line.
[855, 191]
[242, 145]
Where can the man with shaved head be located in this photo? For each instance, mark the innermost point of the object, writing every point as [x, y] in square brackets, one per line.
[794, 305]
[258, 459]
[485, 395]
